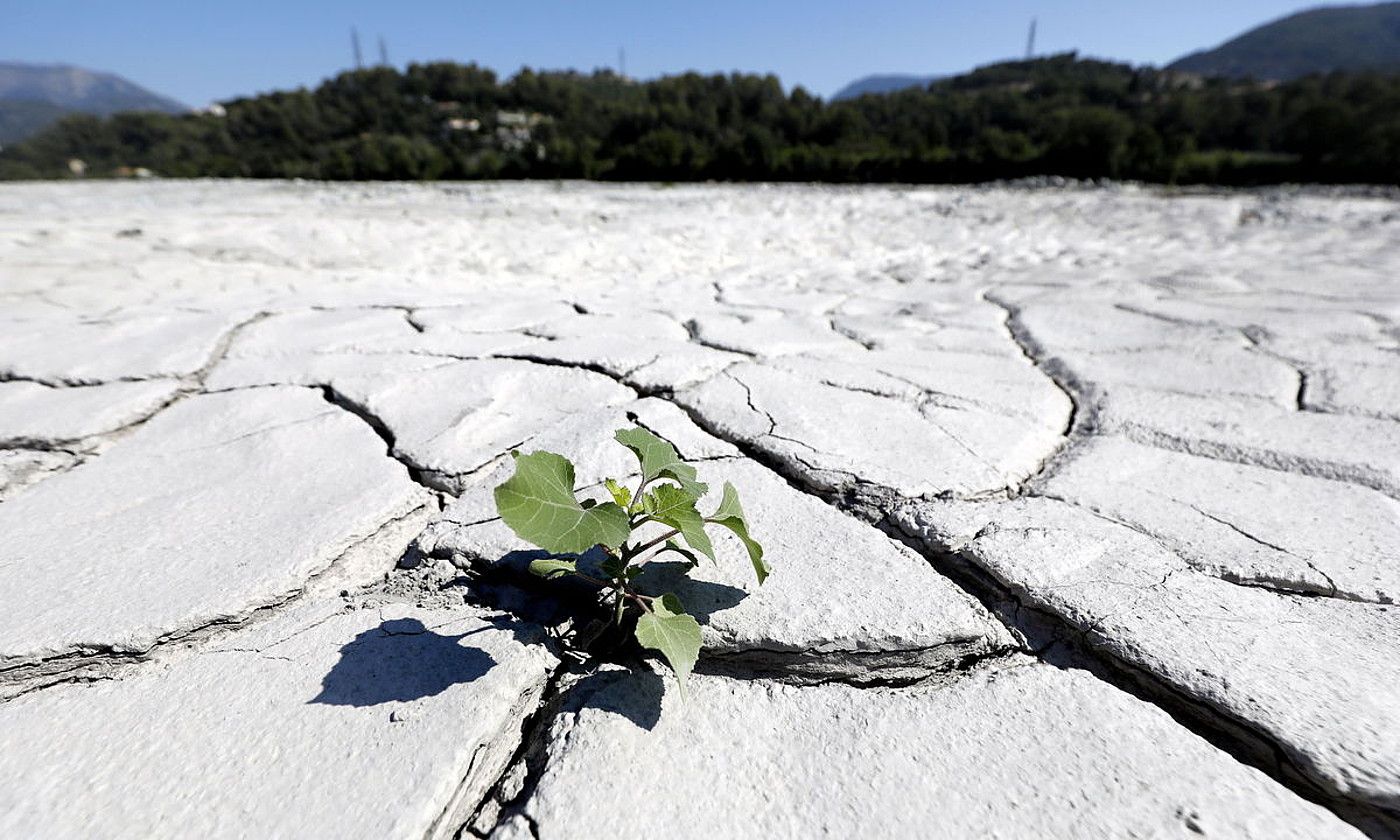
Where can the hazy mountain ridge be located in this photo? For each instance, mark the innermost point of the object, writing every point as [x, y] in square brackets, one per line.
[1321, 40]
[77, 89]
[34, 96]
[883, 83]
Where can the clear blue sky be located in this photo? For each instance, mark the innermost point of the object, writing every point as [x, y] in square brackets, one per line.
[202, 50]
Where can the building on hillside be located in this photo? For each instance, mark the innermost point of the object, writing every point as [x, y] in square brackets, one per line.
[514, 129]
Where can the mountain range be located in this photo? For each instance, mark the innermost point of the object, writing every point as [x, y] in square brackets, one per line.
[883, 84]
[34, 95]
[1313, 41]
[1322, 40]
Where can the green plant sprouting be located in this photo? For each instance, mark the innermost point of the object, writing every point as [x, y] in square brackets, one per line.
[540, 504]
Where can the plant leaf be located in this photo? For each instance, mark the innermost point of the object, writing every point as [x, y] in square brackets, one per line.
[551, 568]
[611, 567]
[620, 494]
[659, 459]
[671, 505]
[666, 500]
[672, 545]
[668, 629]
[539, 506]
[731, 515]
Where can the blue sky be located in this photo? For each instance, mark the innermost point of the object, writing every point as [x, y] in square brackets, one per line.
[200, 50]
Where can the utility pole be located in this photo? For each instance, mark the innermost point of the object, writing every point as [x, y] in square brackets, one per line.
[355, 43]
[383, 52]
[1030, 42]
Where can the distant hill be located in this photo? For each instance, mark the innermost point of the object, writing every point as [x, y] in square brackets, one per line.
[33, 96]
[21, 118]
[79, 90]
[1348, 38]
[882, 84]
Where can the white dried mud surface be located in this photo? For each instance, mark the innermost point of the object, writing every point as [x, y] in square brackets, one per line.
[1083, 508]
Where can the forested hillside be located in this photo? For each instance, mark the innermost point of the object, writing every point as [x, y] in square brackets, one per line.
[1058, 115]
[1325, 40]
[22, 118]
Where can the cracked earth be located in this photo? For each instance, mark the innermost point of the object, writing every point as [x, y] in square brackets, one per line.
[1083, 508]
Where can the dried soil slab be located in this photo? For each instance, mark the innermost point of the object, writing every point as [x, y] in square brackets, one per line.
[1318, 677]
[1115, 343]
[1247, 524]
[843, 599]
[40, 416]
[1023, 751]
[1352, 369]
[497, 313]
[329, 347]
[321, 723]
[95, 350]
[1005, 386]
[1283, 322]
[1359, 450]
[21, 468]
[771, 332]
[220, 505]
[650, 350]
[454, 420]
[1213, 368]
[1084, 323]
[835, 437]
[923, 319]
[343, 372]
[1366, 382]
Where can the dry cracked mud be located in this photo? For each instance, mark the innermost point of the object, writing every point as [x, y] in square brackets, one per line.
[1083, 505]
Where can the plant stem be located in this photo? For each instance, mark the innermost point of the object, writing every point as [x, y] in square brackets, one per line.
[591, 579]
[654, 543]
[642, 600]
[621, 606]
[637, 496]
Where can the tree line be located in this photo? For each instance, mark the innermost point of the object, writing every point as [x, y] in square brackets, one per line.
[1059, 115]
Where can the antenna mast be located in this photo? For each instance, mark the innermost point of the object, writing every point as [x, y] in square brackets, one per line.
[622, 62]
[355, 43]
[1030, 42]
[383, 52]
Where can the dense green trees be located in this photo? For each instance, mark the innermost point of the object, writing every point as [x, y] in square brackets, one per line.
[1059, 115]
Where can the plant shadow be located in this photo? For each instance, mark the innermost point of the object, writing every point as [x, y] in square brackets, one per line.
[702, 598]
[548, 602]
[400, 660]
[634, 694]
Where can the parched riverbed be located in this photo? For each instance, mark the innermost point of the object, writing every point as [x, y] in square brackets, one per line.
[1081, 504]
